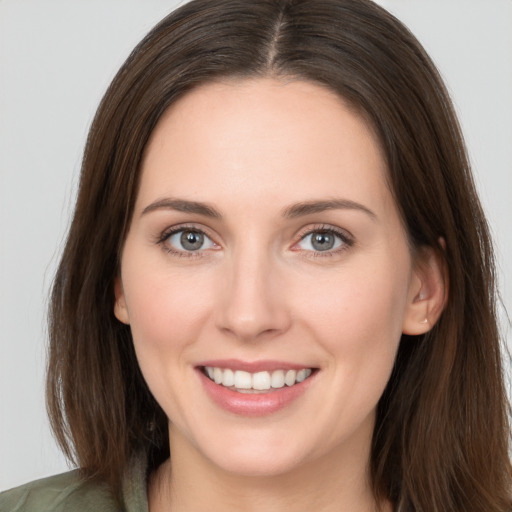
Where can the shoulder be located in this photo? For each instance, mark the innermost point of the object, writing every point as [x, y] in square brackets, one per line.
[66, 492]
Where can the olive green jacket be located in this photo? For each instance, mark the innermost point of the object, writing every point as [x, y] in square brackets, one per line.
[69, 493]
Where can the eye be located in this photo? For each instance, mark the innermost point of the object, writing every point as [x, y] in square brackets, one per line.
[188, 240]
[324, 240]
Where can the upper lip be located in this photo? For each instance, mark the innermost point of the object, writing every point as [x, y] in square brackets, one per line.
[253, 366]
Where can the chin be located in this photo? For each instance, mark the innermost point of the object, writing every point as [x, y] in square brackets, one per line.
[255, 456]
[257, 466]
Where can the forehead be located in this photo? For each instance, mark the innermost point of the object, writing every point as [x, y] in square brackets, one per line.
[263, 138]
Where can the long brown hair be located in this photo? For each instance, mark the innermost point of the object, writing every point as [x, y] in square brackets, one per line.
[442, 434]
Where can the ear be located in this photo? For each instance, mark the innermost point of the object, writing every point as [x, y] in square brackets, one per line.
[120, 309]
[428, 291]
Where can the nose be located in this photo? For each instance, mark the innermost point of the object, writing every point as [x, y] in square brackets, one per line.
[252, 303]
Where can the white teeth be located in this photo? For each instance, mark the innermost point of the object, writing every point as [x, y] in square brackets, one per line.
[243, 380]
[302, 375]
[289, 378]
[277, 380]
[217, 375]
[228, 378]
[260, 381]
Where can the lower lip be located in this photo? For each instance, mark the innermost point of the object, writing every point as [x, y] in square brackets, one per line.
[253, 404]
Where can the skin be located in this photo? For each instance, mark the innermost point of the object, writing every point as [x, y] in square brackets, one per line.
[259, 290]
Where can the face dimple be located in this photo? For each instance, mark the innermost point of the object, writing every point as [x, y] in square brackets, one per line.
[287, 251]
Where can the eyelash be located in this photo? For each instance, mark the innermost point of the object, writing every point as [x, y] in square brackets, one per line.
[164, 237]
[346, 239]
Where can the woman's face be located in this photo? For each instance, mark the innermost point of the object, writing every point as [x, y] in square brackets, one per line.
[265, 248]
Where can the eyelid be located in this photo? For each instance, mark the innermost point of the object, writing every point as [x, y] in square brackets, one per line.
[164, 236]
[346, 238]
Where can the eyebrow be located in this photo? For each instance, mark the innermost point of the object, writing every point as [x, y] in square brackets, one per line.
[310, 207]
[182, 205]
[291, 212]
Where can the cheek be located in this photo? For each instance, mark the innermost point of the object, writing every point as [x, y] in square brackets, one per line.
[358, 303]
[164, 307]
[362, 329]
[167, 311]
[357, 318]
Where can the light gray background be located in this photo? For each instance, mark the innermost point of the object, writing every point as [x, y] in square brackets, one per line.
[56, 59]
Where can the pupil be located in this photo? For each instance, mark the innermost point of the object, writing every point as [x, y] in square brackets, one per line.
[322, 241]
[192, 241]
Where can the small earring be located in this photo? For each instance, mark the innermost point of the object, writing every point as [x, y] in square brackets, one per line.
[424, 321]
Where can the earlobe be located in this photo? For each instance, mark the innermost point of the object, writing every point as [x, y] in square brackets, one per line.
[427, 293]
[120, 309]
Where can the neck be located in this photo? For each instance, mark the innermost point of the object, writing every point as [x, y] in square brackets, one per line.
[189, 482]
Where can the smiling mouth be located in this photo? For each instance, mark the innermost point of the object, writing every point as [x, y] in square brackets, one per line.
[245, 382]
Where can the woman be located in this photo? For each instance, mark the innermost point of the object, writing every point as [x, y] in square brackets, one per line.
[278, 272]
